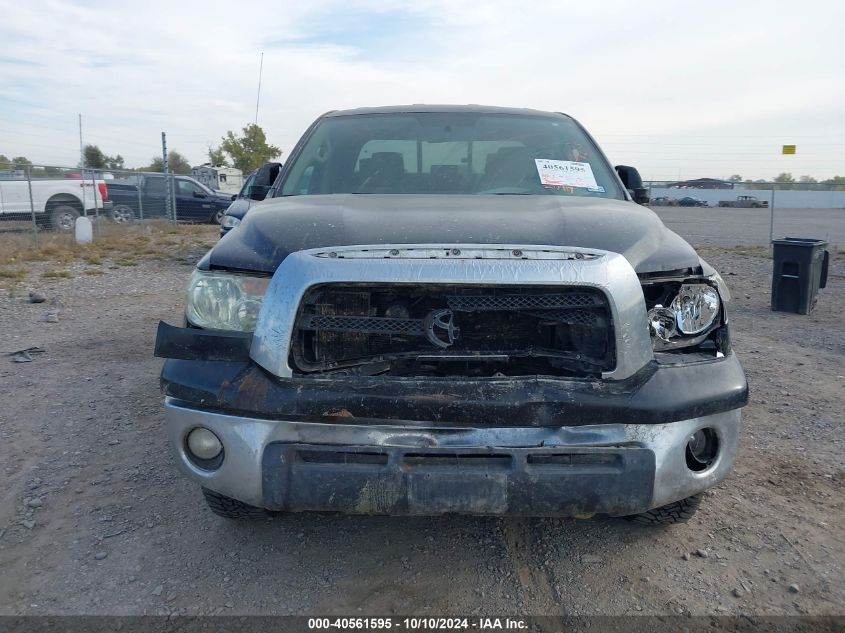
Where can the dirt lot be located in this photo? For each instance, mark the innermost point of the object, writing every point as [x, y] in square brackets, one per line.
[95, 519]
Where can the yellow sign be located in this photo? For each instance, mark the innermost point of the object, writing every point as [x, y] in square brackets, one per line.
[788, 149]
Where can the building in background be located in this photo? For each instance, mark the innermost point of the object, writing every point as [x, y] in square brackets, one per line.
[225, 179]
[702, 183]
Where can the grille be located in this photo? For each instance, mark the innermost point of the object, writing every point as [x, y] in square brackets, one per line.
[449, 330]
[363, 325]
[472, 303]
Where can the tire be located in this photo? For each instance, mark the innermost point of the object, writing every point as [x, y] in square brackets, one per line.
[229, 508]
[122, 214]
[670, 514]
[63, 218]
[217, 216]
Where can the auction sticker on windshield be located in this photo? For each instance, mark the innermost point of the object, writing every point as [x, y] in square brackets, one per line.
[560, 174]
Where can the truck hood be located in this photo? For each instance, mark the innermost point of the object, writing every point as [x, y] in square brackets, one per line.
[276, 228]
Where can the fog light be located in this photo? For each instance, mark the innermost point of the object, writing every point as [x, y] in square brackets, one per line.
[204, 444]
[702, 448]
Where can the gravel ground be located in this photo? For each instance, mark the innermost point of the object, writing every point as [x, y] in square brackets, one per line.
[95, 520]
[728, 227]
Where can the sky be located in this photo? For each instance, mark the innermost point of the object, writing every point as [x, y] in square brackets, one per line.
[677, 89]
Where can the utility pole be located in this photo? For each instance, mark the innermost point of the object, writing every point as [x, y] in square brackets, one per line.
[168, 198]
[258, 96]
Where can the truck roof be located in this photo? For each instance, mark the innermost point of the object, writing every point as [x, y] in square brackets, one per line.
[419, 107]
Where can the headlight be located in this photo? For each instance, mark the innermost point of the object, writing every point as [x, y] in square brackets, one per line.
[224, 301]
[230, 222]
[696, 307]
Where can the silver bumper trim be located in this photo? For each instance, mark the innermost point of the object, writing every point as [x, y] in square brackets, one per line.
[245, 440]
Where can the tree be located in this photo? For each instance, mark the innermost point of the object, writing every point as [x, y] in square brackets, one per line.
[115, 162]
[217, 157]
[177, 163]
[807, 180]
[21, 160]
[735, 178]
[837, 183]
[784, 180]
[93, 157]
[249, 151]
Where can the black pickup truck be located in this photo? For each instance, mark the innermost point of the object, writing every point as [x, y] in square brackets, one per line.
[453, 309]
[144, 196]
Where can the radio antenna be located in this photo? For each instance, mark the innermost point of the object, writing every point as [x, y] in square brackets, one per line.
[258, 96]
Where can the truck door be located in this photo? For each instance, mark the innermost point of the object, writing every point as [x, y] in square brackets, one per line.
[192, 201]
[15, 194]
[154, 196]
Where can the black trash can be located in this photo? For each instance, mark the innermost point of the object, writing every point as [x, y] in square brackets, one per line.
[800, 269]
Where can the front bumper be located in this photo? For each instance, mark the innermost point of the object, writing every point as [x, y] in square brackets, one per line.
[531, 445]
[615, 469]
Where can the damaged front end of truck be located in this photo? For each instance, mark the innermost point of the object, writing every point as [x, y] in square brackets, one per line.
[509, 379]
[560, 354]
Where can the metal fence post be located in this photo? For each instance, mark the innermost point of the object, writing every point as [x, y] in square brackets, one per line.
[167, 185]
[173, 197]
[32, 205]
[96, 208]
[140, 200]
[772, 219]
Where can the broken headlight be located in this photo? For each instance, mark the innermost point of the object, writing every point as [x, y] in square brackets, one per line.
[224, 301]
[696, 307]
[681, 313]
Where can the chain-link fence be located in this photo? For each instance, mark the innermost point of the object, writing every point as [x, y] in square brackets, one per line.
[48, 198]
[39, 200]
[707, 192]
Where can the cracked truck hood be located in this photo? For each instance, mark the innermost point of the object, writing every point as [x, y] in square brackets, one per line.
[276, 228]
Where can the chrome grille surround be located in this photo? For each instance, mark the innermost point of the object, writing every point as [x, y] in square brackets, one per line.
[473, 265]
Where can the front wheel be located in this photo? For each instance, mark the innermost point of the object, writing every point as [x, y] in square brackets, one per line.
[229, 508]
[63, 218]
[122, 214]
[677, 512]
[217, 216]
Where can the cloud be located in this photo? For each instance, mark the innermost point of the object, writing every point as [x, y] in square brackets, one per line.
[705, 90]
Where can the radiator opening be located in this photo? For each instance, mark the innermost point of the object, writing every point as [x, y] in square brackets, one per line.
[444, 330]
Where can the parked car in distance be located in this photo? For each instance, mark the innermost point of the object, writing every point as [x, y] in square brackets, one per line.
[689, 201]
[745, 202]
[57, 202]
[663, 201]
[144, 196]
[453, 309]
[256, 188]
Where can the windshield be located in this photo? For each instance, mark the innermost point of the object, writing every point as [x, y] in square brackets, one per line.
[244, 192]
[450, 153]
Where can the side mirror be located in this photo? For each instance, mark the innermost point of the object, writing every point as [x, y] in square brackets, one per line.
[258, 192]
[234, 196]
[199, 194]
[633, 182]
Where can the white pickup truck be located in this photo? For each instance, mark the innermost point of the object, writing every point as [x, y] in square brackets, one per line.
[57, 201]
